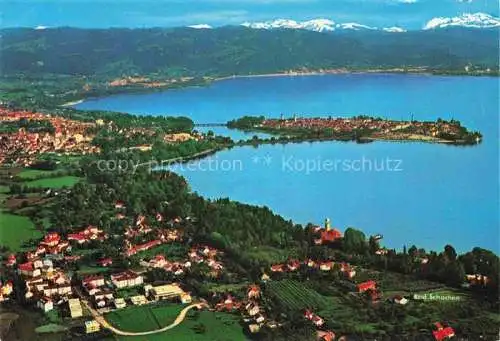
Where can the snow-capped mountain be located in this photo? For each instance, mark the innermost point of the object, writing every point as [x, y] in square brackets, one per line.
[475, 20]
[394, 29]
[317, 25]
[354, 26]
[201, 26]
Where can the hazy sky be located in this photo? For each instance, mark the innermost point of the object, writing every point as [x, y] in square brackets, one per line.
[149, 13]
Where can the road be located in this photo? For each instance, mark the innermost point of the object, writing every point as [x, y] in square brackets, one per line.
[178, 320]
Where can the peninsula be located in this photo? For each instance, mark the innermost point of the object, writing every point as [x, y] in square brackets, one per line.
[361, 129]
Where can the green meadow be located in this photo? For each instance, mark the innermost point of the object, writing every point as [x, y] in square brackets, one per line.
[15, 230]
[198, 326]
[55, 183]
[30, 174]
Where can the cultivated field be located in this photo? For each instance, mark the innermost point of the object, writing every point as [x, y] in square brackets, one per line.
[294, 295]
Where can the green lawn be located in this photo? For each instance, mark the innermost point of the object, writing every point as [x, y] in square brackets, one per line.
[55, 183]
[202, 326]
[29, 174]
[4, 189]
[269, 254]
[173, 251]
[14, 230]
[223, 288]
[89, 270]
[51, 328]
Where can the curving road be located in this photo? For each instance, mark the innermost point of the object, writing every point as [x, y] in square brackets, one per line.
[178, 320]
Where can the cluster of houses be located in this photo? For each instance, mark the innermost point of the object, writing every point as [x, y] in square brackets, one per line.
[364, 123]
[43, 280]
[318, 322]
[209, 256]
[160, 261]
[90, 233]
[146, 82]
[249, 307]
[22, 147]
[45, 284]
[476, 280]
[255, 317]
[101, 292]
[327, 265]
[141, 228]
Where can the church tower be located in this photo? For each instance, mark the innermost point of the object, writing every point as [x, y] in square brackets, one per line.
[327, 224]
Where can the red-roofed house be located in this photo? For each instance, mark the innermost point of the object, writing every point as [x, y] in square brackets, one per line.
[326, 266]
[11, 260]
[365, 286]
[325, 336]
[443, 333]
[277, 268]
[329, 236]
[93, 281]
[294, 265]
[80, 238]
[253, 292]
[317, 320]
[126, 279]
[159, 261]
[51, 239]
[132, 250]
[27, 269]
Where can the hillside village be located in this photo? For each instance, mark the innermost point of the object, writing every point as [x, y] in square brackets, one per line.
[42, 277]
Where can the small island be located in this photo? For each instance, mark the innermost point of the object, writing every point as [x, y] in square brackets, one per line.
[362, 129]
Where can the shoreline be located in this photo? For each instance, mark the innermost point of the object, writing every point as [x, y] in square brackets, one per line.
[340, 71]
[72, 103]
[327, 72]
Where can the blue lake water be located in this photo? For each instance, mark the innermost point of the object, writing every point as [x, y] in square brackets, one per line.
[424, 194]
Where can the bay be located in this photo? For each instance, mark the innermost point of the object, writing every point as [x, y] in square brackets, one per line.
[438, 194]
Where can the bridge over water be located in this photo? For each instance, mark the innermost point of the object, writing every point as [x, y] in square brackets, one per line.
[210, 124]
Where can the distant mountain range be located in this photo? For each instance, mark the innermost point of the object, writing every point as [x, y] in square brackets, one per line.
[476, 20]
[470, 20]
[241, 50]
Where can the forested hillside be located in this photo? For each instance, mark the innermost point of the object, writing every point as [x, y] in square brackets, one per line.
[238, 50]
